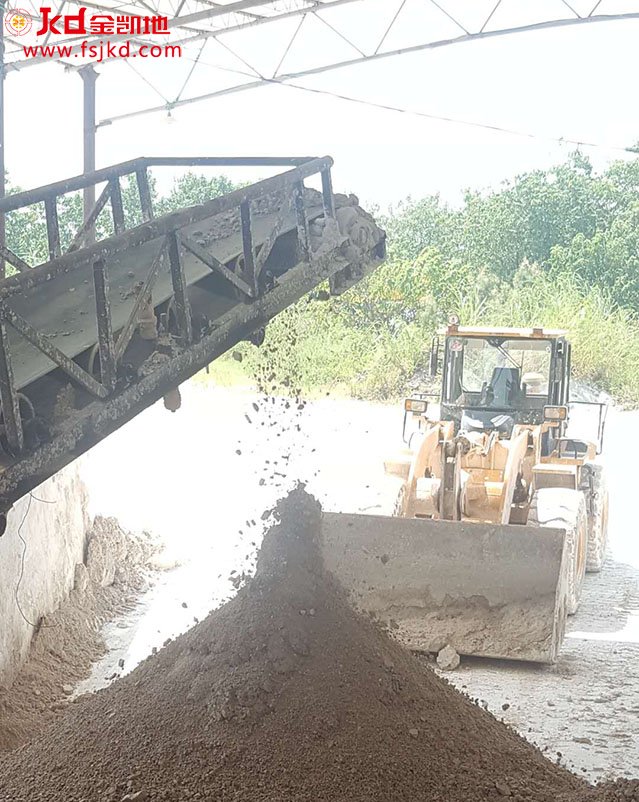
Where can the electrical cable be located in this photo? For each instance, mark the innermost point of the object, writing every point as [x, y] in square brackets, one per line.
[458, 121]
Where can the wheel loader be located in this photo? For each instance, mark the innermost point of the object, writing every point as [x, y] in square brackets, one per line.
[501, 508]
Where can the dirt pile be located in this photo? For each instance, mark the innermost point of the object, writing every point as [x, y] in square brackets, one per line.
[68, 641]
[284, 694]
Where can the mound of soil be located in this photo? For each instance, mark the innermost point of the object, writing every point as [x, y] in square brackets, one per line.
[67, 642]
[284, 694]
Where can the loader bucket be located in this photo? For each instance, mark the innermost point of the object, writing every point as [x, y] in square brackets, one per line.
[486, 589]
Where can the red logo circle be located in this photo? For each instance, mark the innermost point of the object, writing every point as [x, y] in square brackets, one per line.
[18, 22]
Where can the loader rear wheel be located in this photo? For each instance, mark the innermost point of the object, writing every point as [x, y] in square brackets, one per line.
[597, 518]
[561, 508]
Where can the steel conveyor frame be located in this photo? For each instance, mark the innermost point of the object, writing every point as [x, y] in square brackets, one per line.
[119, 390]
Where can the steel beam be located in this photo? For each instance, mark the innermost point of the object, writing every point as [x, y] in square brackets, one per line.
[303, 248]
[180, 297]
[14, 259]
[39, 194]
[385, 54]
[9, 396]
[144, 191]
[89, 222]
[328, 198]
[53, 227]
[59, 358]
[143, 295]
[160, 227]
[267, 247]
[89, 77]
[117, 209]
[106, 346]
[214, 264]
[247, 245]
[77, 182]
[2, 158]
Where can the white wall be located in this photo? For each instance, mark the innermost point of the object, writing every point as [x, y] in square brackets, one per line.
[53, 521]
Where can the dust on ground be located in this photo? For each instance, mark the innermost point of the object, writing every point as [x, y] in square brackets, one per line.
[67, 642]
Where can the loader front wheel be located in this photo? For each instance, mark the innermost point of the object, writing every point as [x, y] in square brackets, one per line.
[561, 508]
[598, 519]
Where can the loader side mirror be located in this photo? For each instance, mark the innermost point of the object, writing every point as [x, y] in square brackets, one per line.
[589, 416]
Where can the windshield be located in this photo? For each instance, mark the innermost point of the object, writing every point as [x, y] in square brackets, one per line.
[497, 372]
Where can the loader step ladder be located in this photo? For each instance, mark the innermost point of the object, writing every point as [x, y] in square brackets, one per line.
[102, 330]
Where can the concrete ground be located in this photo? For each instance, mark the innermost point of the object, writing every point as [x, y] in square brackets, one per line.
[181, 476]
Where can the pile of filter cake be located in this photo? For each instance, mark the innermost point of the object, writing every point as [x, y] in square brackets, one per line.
[283, 694]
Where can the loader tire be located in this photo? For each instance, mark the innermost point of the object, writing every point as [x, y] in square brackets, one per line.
[561, 508]
[597, 519]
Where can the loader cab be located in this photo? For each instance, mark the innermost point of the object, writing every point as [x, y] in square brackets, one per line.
[494, 379]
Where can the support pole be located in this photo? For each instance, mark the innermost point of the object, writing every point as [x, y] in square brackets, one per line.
[2, 166]
[89, 77]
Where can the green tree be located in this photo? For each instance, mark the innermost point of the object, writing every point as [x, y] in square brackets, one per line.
[192, 189]
[415, 225]
[609, 259]
[527, 217]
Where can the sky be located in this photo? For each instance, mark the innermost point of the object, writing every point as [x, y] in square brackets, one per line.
[577, 83]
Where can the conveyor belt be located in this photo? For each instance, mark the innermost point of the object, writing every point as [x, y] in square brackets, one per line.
[64, 310]
[215, 274]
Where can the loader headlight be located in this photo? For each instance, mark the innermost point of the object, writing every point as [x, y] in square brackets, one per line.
[555, 413]
[416, 405]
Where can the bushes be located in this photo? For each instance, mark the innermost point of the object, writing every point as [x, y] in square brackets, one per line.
[605, 337]
[312, 346]
[372, 341]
